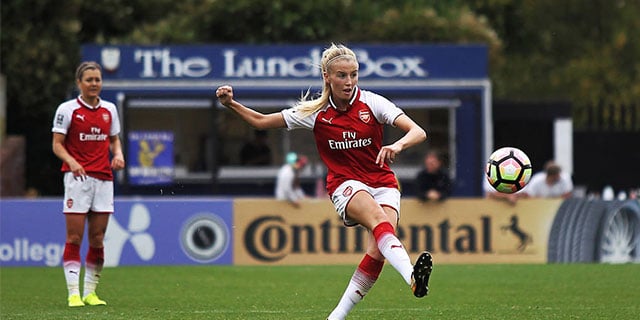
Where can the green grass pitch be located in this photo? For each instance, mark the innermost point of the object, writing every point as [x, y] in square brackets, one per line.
[554, 291]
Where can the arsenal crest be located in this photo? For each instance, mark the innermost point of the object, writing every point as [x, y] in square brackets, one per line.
[347, 191]
[364, 115]
[105, 117]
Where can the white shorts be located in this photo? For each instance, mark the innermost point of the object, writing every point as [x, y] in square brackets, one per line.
[386, 197]
[89, 194]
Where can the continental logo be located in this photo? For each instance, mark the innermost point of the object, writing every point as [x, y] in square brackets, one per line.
[272, 238]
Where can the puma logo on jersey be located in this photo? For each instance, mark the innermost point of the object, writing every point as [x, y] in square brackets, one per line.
[396, 246]
[80, 116]
[327, 120]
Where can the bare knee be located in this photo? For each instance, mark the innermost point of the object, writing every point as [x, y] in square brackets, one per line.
[74, 239]
[379, 216]
[96, 238]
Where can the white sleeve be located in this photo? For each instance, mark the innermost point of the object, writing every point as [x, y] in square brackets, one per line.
[568, 182]
[383, 109]
[293, 121]
[115, 119]
[62, 119]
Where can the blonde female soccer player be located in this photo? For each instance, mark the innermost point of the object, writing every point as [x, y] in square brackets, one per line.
[347, 123]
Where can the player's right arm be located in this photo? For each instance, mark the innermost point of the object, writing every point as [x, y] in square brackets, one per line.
[256, 119]
[61, 152]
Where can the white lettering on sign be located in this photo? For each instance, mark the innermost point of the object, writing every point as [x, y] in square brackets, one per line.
[388, 67]
[276, 66]
[306, 66]
[160, 63]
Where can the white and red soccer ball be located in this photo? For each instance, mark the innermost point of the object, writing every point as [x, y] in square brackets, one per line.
[508, 170]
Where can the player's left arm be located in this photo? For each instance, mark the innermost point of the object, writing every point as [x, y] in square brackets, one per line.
[414, 134]
[115, 145]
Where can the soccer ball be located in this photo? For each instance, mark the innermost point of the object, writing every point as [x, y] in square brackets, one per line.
[508, 170]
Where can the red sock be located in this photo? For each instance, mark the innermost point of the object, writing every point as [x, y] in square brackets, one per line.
[370, 266]
[71, 252]
[95, 256]
[382, 229]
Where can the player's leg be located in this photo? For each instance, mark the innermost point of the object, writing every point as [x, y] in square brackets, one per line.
[388, 200]
[365, 210]
[98, 220]
[419, 280]
[94, 260]
[361, 281]
[71, 261]
[76, 205]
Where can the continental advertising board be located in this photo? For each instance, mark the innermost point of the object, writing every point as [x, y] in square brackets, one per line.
[455, 231]
[247, 231]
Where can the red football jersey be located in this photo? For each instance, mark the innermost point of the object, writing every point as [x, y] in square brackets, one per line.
[348, 142]
[87, 130]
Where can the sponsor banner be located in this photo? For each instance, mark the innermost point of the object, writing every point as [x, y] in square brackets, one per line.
[151, 157]
[206, 62]
[32, 233]
[141, 232]
[455, 231]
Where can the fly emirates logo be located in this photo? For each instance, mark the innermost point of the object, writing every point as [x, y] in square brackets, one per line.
[349, 141]
[95, 135]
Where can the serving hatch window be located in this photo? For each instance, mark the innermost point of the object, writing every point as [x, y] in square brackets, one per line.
[169, 139]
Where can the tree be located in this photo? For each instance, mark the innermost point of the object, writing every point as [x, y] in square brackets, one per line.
[566, 50]
[545, 49]
[40, 48]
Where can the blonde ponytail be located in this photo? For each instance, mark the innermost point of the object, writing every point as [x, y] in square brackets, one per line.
[307, 106]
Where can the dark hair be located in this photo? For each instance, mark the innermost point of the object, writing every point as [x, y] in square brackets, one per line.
[87, 65]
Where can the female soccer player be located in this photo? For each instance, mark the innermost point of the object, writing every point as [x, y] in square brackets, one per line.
[84, 130]
[347, 123]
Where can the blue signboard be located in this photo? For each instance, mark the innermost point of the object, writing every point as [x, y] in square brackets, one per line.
[151, 157]
[411, 75]
[144, 232]
[207, 62]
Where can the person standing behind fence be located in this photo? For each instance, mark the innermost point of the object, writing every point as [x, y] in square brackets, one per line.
[347, 123]
[288, 180]
[85, 131]
[433, 182]
[551, 183]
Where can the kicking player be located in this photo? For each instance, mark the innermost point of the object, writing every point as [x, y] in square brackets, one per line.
[347, 123]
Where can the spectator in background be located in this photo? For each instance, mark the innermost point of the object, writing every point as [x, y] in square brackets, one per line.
[257, 151]
[552, 183]
[433, 182]
[288, 180]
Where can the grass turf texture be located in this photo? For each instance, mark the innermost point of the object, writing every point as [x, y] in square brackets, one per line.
[567, 291]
